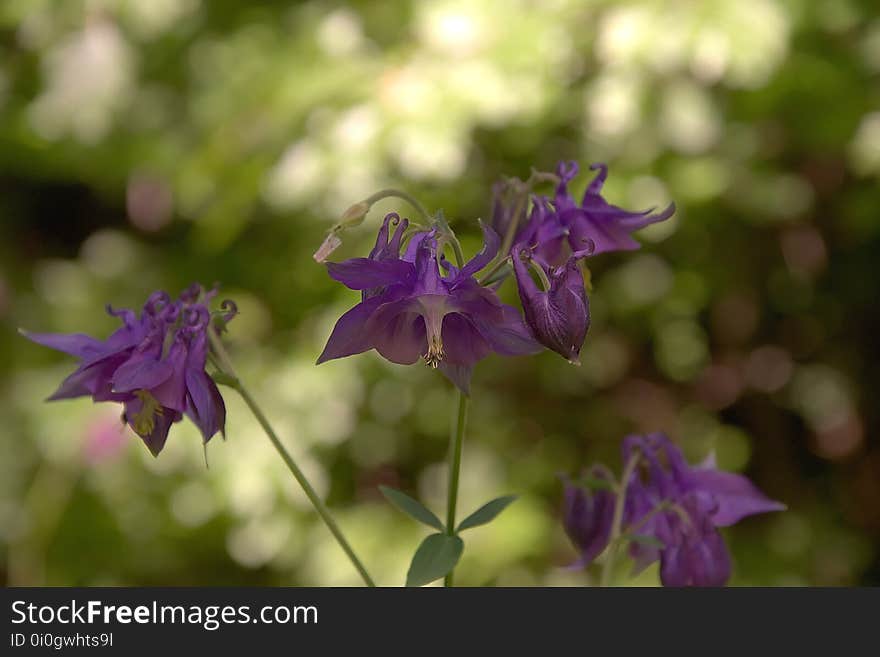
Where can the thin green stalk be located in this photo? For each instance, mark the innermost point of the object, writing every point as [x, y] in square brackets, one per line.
[486, 279]
[226, 365]
[617, 518]
[386, 193]
[660, 508]
[515, 220]
[541, 274]
[455, 442]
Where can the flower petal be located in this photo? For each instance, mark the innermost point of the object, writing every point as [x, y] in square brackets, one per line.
[397, 331]
[509, 337]
[75, 344]
[735, 496]
[205, 405]
[141, 372]
[491, 243]
[349, 336]
[363, 273]
[460, 375]
[462, 342]
[172, 392]
[92, 380]
[587, 515]
[159, 426]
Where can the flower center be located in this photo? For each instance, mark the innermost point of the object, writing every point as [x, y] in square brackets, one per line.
[435, 351]
[433, 312]
[144, 421]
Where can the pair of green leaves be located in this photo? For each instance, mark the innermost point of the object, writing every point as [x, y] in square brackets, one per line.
[439, 553]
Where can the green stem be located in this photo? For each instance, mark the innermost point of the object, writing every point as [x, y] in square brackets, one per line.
[226, 365]
[386, 193]
[634, 529]
[456, 249]
[539, 271]
[617, 519]
[486, 279]
[455, 442]
[512, 229]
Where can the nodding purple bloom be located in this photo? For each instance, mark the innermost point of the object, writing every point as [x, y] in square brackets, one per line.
[410, 310]
[559, 316]
[695, 553]
[154, 365]
[700, 499]
[587, 515]
[682, 507]
[559, 222]
[607, 226]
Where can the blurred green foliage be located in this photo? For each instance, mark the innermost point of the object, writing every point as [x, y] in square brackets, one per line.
[151, 143]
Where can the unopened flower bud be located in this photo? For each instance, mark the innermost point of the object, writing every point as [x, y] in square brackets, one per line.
[355, 215]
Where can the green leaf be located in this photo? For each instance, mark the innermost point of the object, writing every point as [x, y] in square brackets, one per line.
[486, 513]
[436, 556]
[646, 540]
[411, 507]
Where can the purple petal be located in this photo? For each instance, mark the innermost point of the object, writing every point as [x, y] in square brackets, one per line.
[172, 392]
[415, 242]
[700, 559]
[595, 186]
[587, 515]
[363, 273]
[205, 405]
[93, 381]
[566, 171]
[603, 231]
[141, 372]
[509, 337]
[349, 336]
[427, 271]
[75, 344]
[559, 318]
[161, 424]
[491, 243]
[397, 330]
[382, 235]
[460, 375]
[736, 497]
[121, 340]
[462, 342]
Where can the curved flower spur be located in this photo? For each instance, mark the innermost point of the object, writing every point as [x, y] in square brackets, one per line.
[155, 365]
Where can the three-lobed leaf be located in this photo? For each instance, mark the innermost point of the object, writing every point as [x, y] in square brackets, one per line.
[435, 558]
[412, 507]
[486, 513]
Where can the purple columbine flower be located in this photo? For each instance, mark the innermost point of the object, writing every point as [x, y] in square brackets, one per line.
[154, 365]
[587, 515]
[410, 310]
[560, 221]
[559, 316]
[679, 505]
[695, 501]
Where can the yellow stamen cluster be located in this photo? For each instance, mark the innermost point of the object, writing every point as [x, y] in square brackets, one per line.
[144, 421]
[435, 353]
